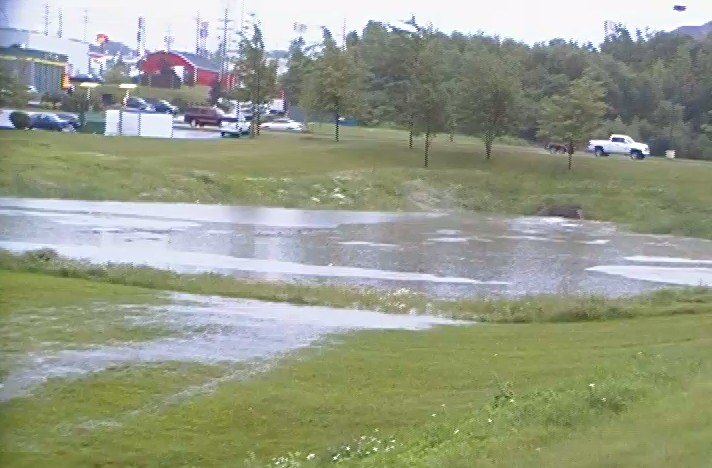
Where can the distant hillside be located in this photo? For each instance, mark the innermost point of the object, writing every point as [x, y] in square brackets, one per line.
[698, 32]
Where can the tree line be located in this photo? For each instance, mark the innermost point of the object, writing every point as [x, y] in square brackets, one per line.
[654, 86]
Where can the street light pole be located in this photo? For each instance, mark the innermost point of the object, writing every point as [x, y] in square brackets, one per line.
[88, 86]
[128, 87]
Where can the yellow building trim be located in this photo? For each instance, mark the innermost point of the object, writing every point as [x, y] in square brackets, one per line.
[27, 59]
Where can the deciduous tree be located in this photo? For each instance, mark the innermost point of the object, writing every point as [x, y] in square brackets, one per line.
[257, 75]
[335, 83]
[573, 117]
[489, 89]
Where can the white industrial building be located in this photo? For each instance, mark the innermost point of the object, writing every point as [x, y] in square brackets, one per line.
[21, 23]
[76, 51]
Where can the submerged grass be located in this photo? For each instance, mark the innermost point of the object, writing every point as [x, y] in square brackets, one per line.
[370, 169]
[41, 313]
[499, 395]
[675, 301]
[451, 396]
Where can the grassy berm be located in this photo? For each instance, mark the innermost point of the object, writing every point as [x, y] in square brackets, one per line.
[574, 390]
[371, 169]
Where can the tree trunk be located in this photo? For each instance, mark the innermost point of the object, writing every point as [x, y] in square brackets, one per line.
[427, 144]
[411, 128]
[259, 113]
[336, 125]
[253, 124]
[489, 139]
[570, 150]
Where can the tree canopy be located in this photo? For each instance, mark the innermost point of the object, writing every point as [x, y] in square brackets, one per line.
[655, 86]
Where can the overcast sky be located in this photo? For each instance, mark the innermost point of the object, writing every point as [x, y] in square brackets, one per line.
[525, 20]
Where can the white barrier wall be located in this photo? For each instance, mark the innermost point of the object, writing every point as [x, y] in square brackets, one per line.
[5, 118]
[122, 123]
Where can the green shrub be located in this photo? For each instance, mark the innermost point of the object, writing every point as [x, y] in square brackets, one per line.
[21, 120]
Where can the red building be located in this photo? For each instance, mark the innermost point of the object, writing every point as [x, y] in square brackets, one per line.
[196, 69]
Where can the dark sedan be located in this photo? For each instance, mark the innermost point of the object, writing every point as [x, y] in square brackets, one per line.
[71, 118]
[162, 106]
[50, 122]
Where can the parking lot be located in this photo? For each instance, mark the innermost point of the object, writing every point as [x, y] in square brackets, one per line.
[181, 129]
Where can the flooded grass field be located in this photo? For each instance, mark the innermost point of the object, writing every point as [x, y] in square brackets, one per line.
[213, 385]
[408, 348]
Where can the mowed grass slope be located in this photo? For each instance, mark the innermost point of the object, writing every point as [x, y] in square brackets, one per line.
[370, 169]
[481, 395]
[626, 392]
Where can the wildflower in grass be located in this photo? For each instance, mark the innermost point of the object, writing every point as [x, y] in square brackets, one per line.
[311, 456]
[315, 200]
[457, 431]
[489, 420]
[591, 385]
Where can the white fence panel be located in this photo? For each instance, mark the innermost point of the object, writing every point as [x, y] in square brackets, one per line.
[120, 123]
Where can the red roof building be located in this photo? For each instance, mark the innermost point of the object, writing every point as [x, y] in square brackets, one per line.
[196, 69]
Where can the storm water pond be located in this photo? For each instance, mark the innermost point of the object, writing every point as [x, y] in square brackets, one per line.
[445, 255]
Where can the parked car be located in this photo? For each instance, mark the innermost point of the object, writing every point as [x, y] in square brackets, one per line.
[556, 148]
[283, 124]
[234, 126]
[162, 106]
[199, 116]
[139, 104]
[71, 118]
[619, 144]
[50, 122]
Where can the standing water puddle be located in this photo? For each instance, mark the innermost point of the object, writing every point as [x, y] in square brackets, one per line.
[211, 330]
[447, 255]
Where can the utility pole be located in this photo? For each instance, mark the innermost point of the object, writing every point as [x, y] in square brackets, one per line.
[60, 26]
[46, 19]
[198, 25]
[225, 30]
[86, 26]
[86, 38]
[168, 39]
[343, 35]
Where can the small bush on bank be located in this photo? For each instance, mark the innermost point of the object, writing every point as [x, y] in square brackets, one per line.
[21, 120]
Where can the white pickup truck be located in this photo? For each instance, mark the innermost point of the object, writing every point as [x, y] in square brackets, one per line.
[619, 144]
[234, 126]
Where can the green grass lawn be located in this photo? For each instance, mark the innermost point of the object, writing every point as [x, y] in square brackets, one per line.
[481, 395]
[370, 169]
[40, 312]
[626, 392]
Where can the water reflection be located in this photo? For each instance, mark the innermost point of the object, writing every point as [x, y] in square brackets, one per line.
[446, 255]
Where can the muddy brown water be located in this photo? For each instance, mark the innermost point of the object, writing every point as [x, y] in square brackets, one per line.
[447, 255]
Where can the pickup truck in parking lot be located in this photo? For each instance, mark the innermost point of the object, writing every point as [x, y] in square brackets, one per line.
[619, 144]
[234, 127]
